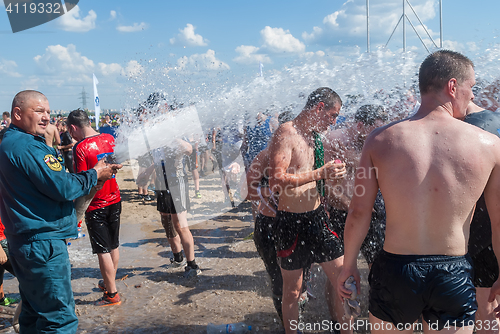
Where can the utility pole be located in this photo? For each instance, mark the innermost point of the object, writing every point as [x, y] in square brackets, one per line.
[83, 97]
[368, 26]
[405, 17]
[441, 24]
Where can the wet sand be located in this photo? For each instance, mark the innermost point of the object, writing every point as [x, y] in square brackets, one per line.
[233, 286]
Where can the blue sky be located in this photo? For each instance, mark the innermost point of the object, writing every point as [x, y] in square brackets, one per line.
[202, 43]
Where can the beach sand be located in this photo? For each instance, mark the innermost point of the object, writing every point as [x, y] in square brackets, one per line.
[233, 286]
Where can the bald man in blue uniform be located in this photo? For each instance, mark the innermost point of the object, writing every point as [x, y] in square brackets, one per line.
[38, 213]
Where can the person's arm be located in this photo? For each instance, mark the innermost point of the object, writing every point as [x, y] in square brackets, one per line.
[3, 256]
[280, 157]
[184, 147]
[358, 219]
[214, 133]
[256, 171]
[65, 147]
[50, 178]
[57, 137]
[335, 195]
[492, 198]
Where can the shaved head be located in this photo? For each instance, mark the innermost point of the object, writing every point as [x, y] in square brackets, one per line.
[22, 97]
[31, 112]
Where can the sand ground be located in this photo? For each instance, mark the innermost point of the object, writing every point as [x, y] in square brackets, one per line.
[233, 286]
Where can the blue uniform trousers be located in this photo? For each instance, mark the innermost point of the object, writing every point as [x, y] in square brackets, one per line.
[43, 270]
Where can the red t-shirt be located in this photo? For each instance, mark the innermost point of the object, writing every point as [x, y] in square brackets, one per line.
[2, 228]
[86, 153]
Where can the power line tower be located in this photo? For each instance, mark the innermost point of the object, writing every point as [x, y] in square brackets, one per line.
[84, 98]
[405, 18]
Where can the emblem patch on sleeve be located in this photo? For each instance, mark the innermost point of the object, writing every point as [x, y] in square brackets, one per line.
[52, 162]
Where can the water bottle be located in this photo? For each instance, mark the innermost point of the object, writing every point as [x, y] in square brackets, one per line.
[238, 328]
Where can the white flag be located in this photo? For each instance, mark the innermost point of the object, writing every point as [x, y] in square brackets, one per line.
[97, 104]
[260, 68]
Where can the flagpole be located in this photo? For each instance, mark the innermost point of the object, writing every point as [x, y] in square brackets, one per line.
[97, 104]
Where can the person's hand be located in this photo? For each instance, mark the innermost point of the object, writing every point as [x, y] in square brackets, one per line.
[99, 185]
[334, 170]
[3, 256]
[494, 292]
[342, 291]
[106, 171]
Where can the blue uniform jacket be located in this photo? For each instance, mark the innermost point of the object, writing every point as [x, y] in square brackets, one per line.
[37, 193]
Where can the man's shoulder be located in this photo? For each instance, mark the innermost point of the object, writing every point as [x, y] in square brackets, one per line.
[286, 129]
[487, 120]
[51, 129]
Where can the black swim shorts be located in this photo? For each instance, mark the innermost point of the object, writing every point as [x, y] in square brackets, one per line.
[485, 268]
[438, 287]
[374, 240]
[103, 226]
[176, 198]
[304, 238]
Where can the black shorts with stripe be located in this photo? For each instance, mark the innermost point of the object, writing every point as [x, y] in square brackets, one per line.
[176, 198]
[305, 238]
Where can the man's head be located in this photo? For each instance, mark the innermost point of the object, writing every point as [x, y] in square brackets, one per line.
[325, 105]
[76, 123]
[63, 126]
[440, 67]
[6, 115]
[452, 73]
[370, 116]
[31, 112]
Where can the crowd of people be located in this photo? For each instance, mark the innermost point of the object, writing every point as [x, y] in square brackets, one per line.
[417, 196]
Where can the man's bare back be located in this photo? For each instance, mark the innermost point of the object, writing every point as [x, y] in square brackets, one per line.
[431, 170]
[425, 172]
[52, 137]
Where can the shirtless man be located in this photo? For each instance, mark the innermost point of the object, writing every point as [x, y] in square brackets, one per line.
[480, 246]
[303, 234]
[431, 169]
[346, 144]
[52, 137]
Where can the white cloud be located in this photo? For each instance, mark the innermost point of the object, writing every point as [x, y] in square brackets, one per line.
[65, 62]
[136, 27]
[248, 55]
[110, 69]
[71, 21]
[112, 15]
[317, 54]
[350, 21]
[187, 37]
[204, 61]
[134, 69]
[7, 67]
[31, 83]
[279, 40]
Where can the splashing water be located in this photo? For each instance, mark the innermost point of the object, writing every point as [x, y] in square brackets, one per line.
[220, 100]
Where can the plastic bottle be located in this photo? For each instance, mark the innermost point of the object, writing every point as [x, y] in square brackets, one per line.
[238, 328]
